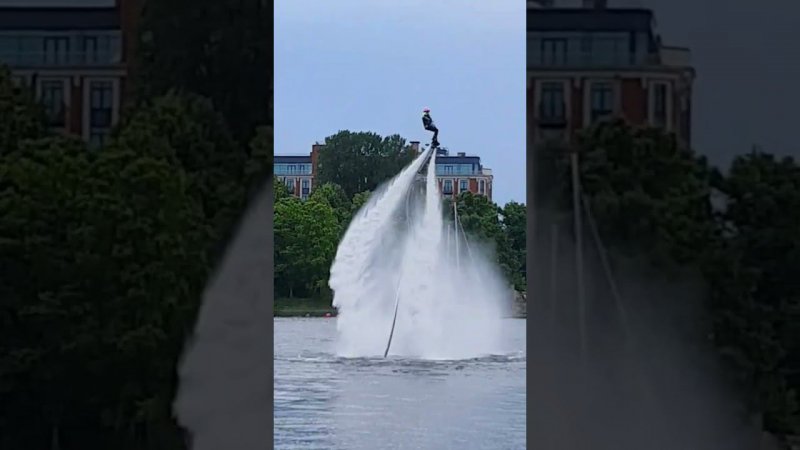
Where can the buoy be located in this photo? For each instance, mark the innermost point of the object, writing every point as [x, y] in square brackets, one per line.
[327, 314]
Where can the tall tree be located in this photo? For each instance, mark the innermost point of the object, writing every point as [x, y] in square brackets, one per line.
[361, 161]
[757, 303]
[91, 298]
[185, 130]
[515, 222]
[648, 194]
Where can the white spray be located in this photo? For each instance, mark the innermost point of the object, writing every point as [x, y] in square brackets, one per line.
[445, 310]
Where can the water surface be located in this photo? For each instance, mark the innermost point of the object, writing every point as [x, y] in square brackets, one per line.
[326, 402]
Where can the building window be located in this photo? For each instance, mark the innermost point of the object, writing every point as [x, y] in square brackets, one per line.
[56, 50]
[602, 100]
[100, 111]
[289, 182]
[660, 104]
[90, 50]
[305, 189]
[463, 186]
[293, 169]
[447, 188]
[552, 105]
[482, 187]
[554, 52]
[610, 51]
[52, 97]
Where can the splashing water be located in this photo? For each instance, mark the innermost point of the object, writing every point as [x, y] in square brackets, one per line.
[225, 370]
[449, 305]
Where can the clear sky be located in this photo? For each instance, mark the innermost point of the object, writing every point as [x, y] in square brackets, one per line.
[367, 65]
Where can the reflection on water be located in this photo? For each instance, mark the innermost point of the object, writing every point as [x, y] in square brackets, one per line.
[326, 402]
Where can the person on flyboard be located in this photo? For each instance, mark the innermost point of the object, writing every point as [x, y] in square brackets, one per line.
[427, 122]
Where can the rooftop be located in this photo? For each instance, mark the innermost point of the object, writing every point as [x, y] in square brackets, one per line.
[588, 19]
[59, 19]
[292, 159]
[459, 159]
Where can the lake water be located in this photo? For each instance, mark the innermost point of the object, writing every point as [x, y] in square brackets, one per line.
[326, 402]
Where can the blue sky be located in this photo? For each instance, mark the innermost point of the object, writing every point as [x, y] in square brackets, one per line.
[366, 65]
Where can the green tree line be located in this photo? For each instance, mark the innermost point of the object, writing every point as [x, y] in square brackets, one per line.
[660, 203]
[104, 253]
[351, 166]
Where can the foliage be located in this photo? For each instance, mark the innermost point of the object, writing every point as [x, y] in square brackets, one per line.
[280, 191]
[103, 255]
[335, 197]
[305, 234]
[93, 309]
[756, 302]
[359, 200]
[361, 161]
[651, 197]
[185, 130]
[515, 223]
[20, 116]
[481, 219]
[646, 192]
[259, 163]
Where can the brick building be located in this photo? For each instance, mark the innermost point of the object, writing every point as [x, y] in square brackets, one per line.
[592, 62]
[456, 174]
[73, 54]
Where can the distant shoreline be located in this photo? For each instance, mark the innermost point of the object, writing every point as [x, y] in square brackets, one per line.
[303, 307]
[306, 307]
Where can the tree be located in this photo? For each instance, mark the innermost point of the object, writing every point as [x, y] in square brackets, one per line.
[480, 219]
[361, 161]
[647, 193]
[259, 163]
[201, 46]
[280, 191]
[306, 235]
[359, 200]
[91, 298]
[757, 306]
[184, 130]
[20, 116]
[334, 195]
[515, 222]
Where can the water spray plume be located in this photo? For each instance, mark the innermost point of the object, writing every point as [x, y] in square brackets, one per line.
[399, 289]
[225, 370]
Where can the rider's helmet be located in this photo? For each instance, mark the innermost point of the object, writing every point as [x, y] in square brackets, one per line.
[426, 110]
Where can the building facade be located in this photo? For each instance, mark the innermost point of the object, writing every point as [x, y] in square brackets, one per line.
[456, 174]
[73, 56]
[592, 62]
[462, 173]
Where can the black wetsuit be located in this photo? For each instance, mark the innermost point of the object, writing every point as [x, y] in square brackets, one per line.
[427, 122]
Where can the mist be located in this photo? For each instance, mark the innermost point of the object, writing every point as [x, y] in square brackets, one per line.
[648, 378]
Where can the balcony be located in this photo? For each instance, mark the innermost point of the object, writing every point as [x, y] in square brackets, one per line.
[675, 56]
[18, 59]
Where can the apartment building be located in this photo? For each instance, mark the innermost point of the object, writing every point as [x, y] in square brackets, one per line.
[592, 62]
[456, 174]
[72, 54]
[462, 173]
